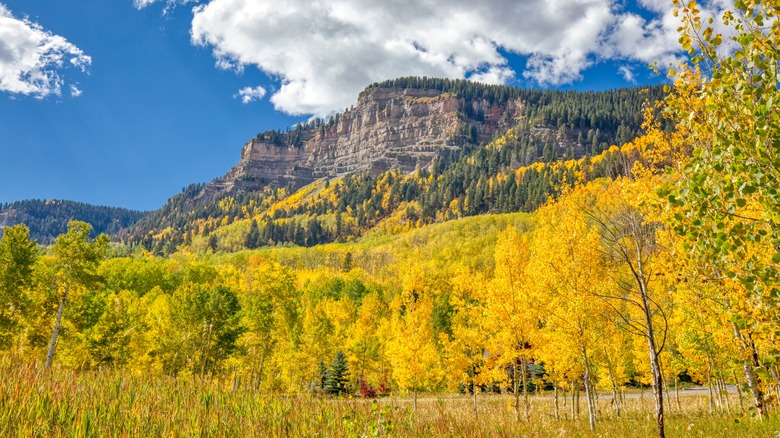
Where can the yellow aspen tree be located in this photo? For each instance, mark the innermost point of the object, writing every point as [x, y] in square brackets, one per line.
[726, 196]
[76, 258]
[411, 351]
[466, 348]
[566, 266]
[266, 290]
[512, 314]
[364, 345]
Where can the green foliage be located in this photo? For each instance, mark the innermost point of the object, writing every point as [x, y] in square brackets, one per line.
[552, 125]
[725, 101]
[18, 255]
[253, 237]
[77, 257]
[48, 219]
[206, 327]
[335, 381]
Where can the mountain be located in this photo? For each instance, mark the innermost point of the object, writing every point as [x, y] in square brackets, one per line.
[411, 151]
[462, 133]
[49, 218]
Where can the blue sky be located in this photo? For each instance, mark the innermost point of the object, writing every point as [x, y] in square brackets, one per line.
[135, 100]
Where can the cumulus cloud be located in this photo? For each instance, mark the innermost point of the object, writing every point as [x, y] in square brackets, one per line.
[75, 91]
[250, 94]
[31, 58]
[323, 52]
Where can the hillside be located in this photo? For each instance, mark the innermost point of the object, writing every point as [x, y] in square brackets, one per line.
[47, 219]
[454, 136]
[412, 151]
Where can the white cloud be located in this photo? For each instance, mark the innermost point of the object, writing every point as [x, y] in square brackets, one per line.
[323, 52]
[250, 94]
[75, 91]
[169, 4]
[627, 73]
[31, 58]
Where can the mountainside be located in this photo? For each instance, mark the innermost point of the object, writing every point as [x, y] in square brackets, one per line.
[460, 132]
[411, 151]
[47, 219]
[390, 128]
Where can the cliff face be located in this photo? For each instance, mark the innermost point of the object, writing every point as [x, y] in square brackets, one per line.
[402, 129]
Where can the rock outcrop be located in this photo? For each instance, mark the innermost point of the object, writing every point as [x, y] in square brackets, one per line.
[389, 128]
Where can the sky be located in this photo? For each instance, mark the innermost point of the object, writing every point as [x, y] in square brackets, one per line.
[125, 102]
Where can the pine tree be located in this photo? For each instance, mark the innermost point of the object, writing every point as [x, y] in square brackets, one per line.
[336, 377]
[253, 238]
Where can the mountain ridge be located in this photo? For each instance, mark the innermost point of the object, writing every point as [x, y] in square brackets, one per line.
[407, 126]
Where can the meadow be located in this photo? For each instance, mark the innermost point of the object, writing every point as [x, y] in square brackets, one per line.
[60, 402]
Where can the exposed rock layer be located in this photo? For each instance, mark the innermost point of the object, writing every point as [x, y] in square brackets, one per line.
[403, 129]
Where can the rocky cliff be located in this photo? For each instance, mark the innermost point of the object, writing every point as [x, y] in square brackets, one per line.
[389, 128]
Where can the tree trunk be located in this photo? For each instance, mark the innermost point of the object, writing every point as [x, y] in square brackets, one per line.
[724, 395]
[56, 331]
[677, 394]
[526, 402]
[710, 397]
[555, 401]
[588, 395]
[739, 390]
[655, 366]
[573, 402]
[615, 394]
[474, 390]
[668, 397]
[415, 399]
[517, 393]
[749, 365]
[577, 395]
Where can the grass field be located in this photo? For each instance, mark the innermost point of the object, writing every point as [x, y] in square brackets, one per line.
[64, 403]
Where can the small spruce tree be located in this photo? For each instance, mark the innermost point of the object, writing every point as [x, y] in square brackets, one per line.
[336, 376]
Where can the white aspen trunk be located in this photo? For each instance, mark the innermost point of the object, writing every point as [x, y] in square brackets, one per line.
[748, 366]
[573, 402]
[555, 401]
[588, 394]
[56, 331]
[517, 393]
[474, 389]
[526, 402]
[739, 390]
[577, 394]
[725, 392]
[677, 394]
[668, 397]
[655, 366]
[657, 389]
[710, 397]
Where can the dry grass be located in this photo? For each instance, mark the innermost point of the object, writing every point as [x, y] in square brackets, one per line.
[64, 403]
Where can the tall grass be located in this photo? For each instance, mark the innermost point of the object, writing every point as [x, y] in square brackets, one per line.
[34, 402]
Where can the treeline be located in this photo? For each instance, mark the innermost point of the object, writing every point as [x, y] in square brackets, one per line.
[605, 118]
[47, 219]
[485, 183]
[552, 312]
[469, 181]
[183, 217]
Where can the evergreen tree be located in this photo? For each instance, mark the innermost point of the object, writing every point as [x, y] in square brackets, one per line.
[253, 238]
[336, 376]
